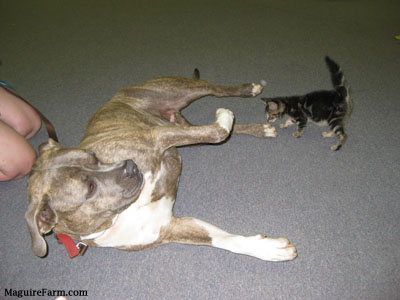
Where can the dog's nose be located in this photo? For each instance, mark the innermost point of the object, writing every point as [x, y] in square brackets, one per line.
[130, 168]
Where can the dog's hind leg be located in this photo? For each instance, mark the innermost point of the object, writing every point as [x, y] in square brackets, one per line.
[197, 232]
[179, 92]
[167, 96]
[196, 89]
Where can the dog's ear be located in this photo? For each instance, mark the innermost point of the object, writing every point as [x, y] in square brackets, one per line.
[50, 144]
[52, 155]
[40, 219]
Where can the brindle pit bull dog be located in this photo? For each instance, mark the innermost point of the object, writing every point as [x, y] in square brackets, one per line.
[118, 187]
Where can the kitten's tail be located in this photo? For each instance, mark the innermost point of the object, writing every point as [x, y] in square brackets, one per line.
[338, 80]
[336, 73]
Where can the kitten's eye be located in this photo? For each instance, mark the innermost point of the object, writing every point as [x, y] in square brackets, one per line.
[91, 189]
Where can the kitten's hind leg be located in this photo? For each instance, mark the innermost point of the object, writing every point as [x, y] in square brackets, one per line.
[337, 128]
[341, 139]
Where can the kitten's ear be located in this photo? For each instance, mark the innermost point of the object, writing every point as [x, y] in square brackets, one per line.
[270, 103]
[265, 100]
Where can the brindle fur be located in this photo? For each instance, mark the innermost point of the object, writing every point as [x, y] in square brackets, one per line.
[140, 125]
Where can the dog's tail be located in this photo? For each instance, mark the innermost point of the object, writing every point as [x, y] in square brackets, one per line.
[196, 74]
[338, 81]
[49, 126]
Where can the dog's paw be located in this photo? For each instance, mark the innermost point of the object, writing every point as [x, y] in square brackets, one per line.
[272, 249]
[269, 131]
[257, 89]
[256, 129]
[251, 89]
[224, 118]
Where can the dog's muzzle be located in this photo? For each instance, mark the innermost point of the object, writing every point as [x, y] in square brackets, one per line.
[131, 169]
[132, 173]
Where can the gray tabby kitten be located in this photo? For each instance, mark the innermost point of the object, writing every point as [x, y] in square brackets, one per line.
[322, 107]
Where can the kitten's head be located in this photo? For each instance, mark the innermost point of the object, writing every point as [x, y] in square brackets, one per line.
[274, 108]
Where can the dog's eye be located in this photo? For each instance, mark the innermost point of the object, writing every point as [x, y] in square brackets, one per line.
[93, 159]
[91, 189]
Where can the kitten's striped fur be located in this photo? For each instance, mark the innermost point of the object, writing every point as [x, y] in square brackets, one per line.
[330, 108]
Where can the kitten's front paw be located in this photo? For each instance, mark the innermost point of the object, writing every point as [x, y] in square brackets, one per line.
[286, 124]
[327, 134]
[296, 134]
[336, 147]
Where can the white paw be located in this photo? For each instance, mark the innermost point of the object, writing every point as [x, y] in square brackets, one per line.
[257, 89]
[296, 134]
[270, 131]
[272, 249]
[224, 118]
[288, 123]
[335, 147]
[327, 134]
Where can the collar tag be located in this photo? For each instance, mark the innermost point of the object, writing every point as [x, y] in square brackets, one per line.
[82, 247]
[73, 249]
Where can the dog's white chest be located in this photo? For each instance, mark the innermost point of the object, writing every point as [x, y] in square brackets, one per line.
[140, 223]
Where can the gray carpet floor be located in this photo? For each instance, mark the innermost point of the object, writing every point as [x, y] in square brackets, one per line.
[341, 209]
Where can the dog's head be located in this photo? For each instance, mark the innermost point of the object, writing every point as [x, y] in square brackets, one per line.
[72, 192]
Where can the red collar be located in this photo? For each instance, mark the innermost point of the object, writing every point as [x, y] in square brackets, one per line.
[72, 248]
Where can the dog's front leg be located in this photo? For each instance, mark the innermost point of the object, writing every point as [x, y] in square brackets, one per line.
[254, 129]
[197, 232]
[173, 136]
